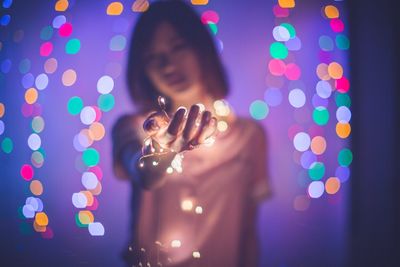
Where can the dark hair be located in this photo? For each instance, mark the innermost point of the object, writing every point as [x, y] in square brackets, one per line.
[189, 26]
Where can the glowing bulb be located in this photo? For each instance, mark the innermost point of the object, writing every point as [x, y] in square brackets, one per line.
[176, 243]
[161, 102]
[201, 106]
[218, 104]
[199, 210]
[221, 108]
[170, 170]
[141, 164]
[187, 205]
[155, 163]
[222, 126]
[147, 142]
[196, 254]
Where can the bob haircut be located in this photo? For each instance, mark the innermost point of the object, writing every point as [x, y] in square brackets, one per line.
[189, 26]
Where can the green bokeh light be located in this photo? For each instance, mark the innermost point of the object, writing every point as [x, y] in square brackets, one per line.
[90, 157]
[259, 110]
[46, 33]
[278, 50]
[345, 157]
[213, 27]
[106, 102]
[316, 171]
[342, 42]
[7, 145]
[75, 105]
[73, 46]
[342, 100]
[321, 115]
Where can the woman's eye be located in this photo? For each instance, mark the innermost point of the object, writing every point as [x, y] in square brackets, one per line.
[180, 46]
[153, 60]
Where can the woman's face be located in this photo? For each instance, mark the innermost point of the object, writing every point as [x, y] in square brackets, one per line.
[172, 65]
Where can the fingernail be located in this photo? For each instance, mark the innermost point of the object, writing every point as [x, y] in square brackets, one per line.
[201, 107]
[180, 108]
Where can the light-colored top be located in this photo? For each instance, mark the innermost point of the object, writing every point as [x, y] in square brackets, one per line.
[206, 215]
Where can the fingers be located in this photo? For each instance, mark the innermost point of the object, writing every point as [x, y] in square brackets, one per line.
[181, 132]
[205, 119]
[176, 121]
[208, 130]
[191, 122]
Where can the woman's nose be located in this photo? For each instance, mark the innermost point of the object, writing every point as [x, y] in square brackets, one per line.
[167, 63]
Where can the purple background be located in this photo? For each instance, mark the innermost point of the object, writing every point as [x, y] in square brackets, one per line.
[315, 237]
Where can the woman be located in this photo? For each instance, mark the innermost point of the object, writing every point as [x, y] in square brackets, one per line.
[203, 211]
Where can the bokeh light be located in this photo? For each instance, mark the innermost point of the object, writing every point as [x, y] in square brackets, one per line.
[90, 157]
[332, 185]
[27, 172]
[259, 109]
[96, 229]
[343, 130]
[345, 157]
[278, 50]
[114, 9]
[75, 105]
[73, 46]
[343, 114]
[316, 189]
[331, 12]
[50, 66]
[297, 98]
[292, 72]
[318, 145]
[7, 145]
[31, 95]
[307, 158]
[34, 141]
[273, 97]
[41, 81]
[69, 77]
[321, 115]
[36, 187]
[301, 141]
[316, 171]
[106, 102]
[105, 85]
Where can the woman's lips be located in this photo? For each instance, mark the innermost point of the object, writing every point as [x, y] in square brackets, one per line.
[174, 79]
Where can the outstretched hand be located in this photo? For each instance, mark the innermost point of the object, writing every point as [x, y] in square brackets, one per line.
[180, 132]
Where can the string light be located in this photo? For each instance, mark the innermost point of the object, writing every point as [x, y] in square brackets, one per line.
[222, 111]
[176, 243]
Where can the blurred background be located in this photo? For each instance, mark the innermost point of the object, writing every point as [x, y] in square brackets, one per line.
[321, 76]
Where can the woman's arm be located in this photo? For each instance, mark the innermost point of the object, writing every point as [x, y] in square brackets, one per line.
[127, 150]
[177, 135]
[149, 172]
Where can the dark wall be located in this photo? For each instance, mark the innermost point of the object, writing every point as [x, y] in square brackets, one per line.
[375, 185]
